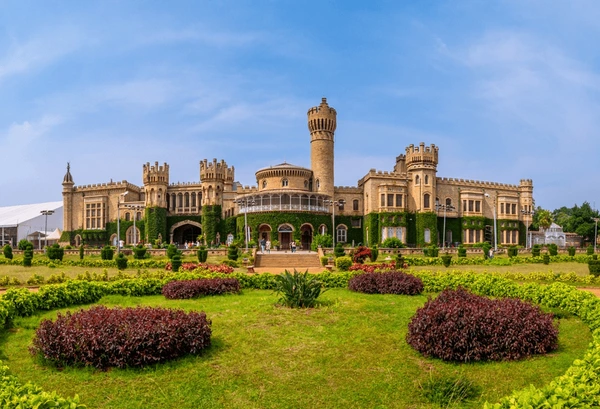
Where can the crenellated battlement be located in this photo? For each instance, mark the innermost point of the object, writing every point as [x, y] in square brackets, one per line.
[155, 173]
[322, 118]
[185, 184]
[216, 171]
[110, 185]
[475, 183]
[347, 189]
[421, 156]
[526, 182]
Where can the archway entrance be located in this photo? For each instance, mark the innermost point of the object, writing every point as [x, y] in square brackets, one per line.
[306, 236]
[264, 232]
[285, 236]
[185, 231]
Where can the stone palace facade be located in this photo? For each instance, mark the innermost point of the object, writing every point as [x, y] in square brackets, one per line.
[410, 202]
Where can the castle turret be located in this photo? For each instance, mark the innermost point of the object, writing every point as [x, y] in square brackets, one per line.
[526, 202]
[421, 165]
[156, 181]
[68, 186]
[216, 177]
[322, 123]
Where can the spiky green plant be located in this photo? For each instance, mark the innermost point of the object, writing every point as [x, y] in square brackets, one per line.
[298, 290]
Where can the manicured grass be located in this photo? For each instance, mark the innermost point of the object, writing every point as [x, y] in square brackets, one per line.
[350, 352]
[581, 269]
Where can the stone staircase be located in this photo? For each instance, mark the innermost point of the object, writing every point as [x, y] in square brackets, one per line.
[289, 260]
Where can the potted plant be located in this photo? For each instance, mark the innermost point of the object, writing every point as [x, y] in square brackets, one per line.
[275, 244]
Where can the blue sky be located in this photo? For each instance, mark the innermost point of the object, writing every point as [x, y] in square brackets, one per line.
[506, 89]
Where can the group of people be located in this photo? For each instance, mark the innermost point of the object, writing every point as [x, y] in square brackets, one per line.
[265, 245]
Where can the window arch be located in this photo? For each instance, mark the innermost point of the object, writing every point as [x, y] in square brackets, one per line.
[127, 216]
[284, 183]
[448, 202]
[417, 180]
[426, 201]
[426, 179]
[318, 184]
[355, 205]
[342, 234]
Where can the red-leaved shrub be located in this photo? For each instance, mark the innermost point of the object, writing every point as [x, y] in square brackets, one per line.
[460, 326]
[121, 337]
[391, 282]
[203, 286]
[213, 268]
[360, 254]
[371, 268]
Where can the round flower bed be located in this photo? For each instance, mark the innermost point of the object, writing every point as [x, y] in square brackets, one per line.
[392, 282]
[122, 337]
[460, 326]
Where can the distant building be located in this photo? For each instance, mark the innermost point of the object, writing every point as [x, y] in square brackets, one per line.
[410, 202]
[19, 222]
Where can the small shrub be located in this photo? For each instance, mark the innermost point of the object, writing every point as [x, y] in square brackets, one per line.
[121, 261]
[513, 251]
[7, 251]
[594, 267]
[486, 250]
[339, 251]
[343, 263]
[323, 240]
[463, 327]
[171, 251]
[107, 253]
[81, 252]
[196, 288]
[431, 251]
[553, 249]
[360, 254]
[55, 252]
[176, 262]
[392, 243]
[392, 282]
[571, 251]
[27, 257]
[324, 260]
[462, 252]
[535, 250]
[122, 337]
[400, 261]
[57, 278]
[139, 252]
[232, 252]
[446, 259]
[35, 279]
[202, 254]
[374, 254]
[24, 244]
[446, 391]
[298, 290]
[546, 259]
[589, 251]
[231, 263]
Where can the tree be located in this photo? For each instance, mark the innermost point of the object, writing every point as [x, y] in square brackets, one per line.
[542, 219]
[577, 219]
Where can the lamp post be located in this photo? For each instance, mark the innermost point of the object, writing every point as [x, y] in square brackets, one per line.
[445, 207]
[527, 232]
[333, 205]
[246, 203]
[46, 213]
[495, 228]
[595, 233]
[119, 220]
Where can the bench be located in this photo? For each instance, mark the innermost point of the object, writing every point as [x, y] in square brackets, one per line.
[250, 269]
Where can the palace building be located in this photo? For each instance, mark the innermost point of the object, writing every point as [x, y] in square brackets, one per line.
[409, 201]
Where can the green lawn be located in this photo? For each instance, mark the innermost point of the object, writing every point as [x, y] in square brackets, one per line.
[349, 353]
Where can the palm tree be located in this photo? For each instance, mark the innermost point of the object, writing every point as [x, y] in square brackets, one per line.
[544, 218]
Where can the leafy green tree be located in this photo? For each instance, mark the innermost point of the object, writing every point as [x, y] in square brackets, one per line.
[577, 219]
[542, 219]
[7, 250]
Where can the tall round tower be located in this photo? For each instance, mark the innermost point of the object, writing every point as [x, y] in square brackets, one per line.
[68, 187]
[421, 164]
[322, 124]
[156, 181]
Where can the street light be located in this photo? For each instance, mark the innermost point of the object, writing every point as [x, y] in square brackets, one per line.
[495, 234]
[333, 205]
[527, 232]
[119, 220]
[246, 202]
[445, 207]
[46, 213]
[595, 233]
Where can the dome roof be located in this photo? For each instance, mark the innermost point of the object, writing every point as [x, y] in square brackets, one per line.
[283, 165]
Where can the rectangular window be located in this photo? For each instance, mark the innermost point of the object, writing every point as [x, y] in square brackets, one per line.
[355, 205]
[470, 205]
[382, 200]
[398, 200]
[478, 206]
[464, 205]
[471, 236]
[356, 223]
[514, 208]
[501, 208]
[390, 200]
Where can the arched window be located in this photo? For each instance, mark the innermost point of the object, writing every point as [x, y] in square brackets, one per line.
[318, 184]
[264, 184]
[306, 184]
[342, 234]
[355, 204]
[448, 202]
[127, 216]
[427, 235]
[426, 179]
[417, 180]
[284, 183]
[138, 216]
[426, 201]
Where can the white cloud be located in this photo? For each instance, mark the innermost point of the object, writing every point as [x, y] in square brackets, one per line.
[25, 133]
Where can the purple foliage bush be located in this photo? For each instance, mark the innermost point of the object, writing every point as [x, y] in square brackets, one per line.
[460, 326]
[203, 286]
[121, 337]
[391, 282]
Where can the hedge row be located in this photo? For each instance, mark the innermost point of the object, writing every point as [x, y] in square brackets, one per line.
[578, 387]
[184, 289]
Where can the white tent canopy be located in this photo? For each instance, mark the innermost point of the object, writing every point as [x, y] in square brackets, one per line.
[18, 222]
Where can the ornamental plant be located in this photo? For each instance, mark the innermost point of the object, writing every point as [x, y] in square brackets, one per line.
[339, 251]
[171, 251]
[121, 337]
[446, 259]
[571, 251]
[139, 252]
[535, 250]
[513, 251]
[232, 253]
[202, 254]
[107, 253]
[298, 290]
[374, 254]
[24, 244]
[590, 250]
[343, 263]
[594, 267]
[553, 249]
[391, 282]
[55, 252]
[27, 257]
[184, 289]
[7, 251]
[176, 262]
[392, 243]
[463, 327]
[121, 261]
[81, 252]
[462, 252]
[360, 254]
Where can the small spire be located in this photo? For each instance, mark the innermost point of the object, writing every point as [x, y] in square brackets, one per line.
[68, 178]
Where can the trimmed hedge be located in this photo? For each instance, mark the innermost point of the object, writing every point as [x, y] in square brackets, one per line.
[121, 337]
[392, 282]
[463, 327]
[196, 288]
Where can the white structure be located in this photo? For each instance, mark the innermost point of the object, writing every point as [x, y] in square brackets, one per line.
[553, 234]
[18, 222]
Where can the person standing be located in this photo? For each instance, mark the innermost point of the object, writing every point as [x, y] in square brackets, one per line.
[268, 246]
[263, 243]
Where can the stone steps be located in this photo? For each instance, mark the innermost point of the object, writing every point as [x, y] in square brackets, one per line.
[287, 260]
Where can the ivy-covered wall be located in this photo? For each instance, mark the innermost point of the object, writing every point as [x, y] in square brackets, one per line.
[211, 221]
[156, 223]
[111, 228]
[371, 230]
[452, 224]
[427, 220]
[172, 220]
